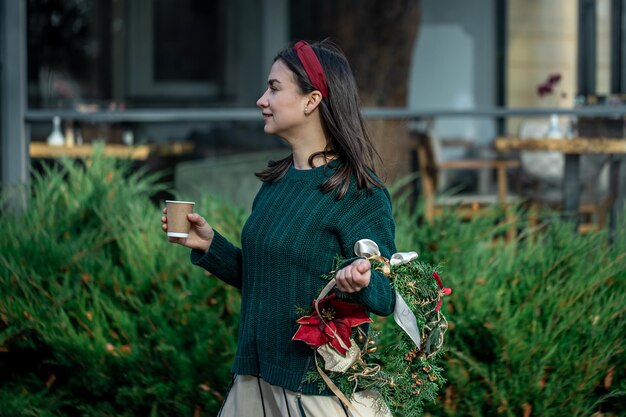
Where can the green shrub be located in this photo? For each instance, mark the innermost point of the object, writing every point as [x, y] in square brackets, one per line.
[99, 314]
[537, 326]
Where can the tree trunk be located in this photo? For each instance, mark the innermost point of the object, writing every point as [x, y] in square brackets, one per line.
[378, 38]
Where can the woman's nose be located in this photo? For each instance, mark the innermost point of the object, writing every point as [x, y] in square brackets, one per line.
[262, 101]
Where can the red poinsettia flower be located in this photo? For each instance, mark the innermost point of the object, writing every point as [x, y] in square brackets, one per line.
[336, 323]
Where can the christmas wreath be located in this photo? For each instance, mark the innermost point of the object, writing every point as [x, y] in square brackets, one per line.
[401, 365]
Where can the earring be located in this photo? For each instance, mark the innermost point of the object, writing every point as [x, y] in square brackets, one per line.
[306, 110]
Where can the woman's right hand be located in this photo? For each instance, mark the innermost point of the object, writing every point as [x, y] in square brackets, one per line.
[200, 234]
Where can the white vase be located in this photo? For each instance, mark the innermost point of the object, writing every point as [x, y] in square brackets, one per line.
[554, 128]
[544, 166]
[56, 138]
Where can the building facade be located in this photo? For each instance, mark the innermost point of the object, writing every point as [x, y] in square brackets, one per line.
[109, 66]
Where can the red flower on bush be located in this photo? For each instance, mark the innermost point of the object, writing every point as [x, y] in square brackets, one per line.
[336, 322]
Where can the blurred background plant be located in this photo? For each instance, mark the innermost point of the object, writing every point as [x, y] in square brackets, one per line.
[536, 325]
[100, 316]
[551, 87]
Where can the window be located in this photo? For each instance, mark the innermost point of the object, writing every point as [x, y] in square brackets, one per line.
[176, 49]
[101, 54]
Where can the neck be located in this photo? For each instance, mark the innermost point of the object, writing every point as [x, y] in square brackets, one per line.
[309, 141]
[301, 159]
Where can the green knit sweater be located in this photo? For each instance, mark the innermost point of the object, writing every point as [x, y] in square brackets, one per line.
[291, 238]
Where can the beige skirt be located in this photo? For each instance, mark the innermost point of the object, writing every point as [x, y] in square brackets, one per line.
[251, 396]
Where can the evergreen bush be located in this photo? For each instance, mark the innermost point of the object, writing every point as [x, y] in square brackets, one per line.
[99, 314]
[537, 325]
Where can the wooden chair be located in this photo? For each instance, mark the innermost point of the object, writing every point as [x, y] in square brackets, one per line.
[430, 168]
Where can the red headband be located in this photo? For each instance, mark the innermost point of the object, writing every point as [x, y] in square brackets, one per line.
[312, 66]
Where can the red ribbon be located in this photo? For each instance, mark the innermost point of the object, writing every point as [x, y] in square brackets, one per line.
[446, 291]
[312, 66]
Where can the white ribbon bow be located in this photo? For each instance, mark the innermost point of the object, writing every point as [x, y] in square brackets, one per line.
[402, 314]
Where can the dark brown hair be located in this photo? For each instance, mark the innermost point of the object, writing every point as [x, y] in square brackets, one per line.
[342, 120]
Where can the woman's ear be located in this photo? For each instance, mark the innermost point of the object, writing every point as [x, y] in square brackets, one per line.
[314, 98]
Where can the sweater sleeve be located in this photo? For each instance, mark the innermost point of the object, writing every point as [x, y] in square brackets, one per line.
[371, 218]
[223, 259]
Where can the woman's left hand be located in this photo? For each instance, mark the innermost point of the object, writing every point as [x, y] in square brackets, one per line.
[354, 277]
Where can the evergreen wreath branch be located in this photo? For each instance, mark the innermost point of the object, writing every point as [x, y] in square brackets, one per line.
[406, 376]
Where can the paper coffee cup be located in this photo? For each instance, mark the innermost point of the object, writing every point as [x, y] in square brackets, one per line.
[177, 223]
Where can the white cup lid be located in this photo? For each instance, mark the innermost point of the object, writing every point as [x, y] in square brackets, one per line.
[180, 202]
[177, 234]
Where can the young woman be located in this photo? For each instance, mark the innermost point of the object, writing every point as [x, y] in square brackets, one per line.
[313, 206]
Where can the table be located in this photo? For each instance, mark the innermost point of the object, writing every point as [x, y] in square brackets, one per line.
[141, 152]
[573, 148]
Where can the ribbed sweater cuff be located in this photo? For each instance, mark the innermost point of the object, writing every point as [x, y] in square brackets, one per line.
[222, 259]
[378, 296]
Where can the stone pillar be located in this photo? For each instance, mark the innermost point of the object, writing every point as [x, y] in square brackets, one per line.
[14, 141]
